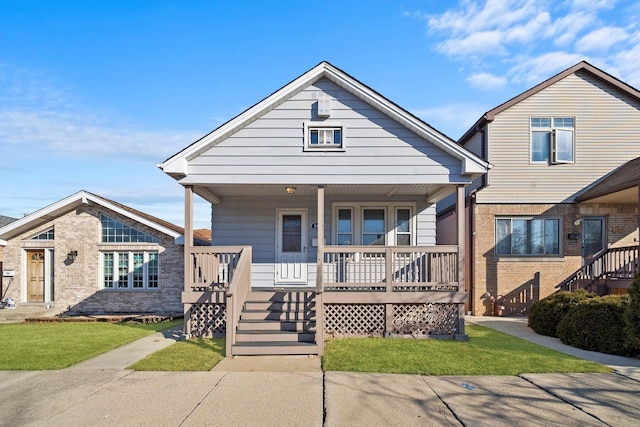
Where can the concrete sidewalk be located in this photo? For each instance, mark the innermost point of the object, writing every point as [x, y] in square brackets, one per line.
[282, 391]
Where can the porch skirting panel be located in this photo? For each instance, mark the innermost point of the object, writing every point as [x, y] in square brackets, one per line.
[207, 320]
[379, 320]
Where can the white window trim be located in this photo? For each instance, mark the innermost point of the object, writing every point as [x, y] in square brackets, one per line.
[322, 147]
[552, 160]
[145, 273]
[357, 212]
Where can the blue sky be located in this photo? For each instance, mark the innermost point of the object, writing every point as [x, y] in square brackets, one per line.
[93, 94]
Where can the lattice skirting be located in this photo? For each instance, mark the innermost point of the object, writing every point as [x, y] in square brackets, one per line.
[407, 319]
[207, 320]
[354, 320]
[425, 319]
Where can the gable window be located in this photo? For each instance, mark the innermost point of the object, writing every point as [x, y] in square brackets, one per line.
[114, 231]
[46, 235]
[528, 236]
[327, 137]
[552, 139]
[126, 270]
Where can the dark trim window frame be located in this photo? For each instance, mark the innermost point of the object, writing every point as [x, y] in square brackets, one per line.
[528, 237]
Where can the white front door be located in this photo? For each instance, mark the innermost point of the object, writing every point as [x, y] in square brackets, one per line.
[291, 246]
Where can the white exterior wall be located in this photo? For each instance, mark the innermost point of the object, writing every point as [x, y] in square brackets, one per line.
[377, 149]
[607, 129]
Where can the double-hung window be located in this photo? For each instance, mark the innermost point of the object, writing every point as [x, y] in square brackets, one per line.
[552, 139]
[528, 236]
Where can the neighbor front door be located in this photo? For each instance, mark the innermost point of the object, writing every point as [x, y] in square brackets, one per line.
[593, 237]
[291, 247]
[35, 275]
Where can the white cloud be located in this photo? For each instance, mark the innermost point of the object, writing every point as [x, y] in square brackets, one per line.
[601, 39]
[80, 135]
[533, 70]
[486, 81]
[483, 43]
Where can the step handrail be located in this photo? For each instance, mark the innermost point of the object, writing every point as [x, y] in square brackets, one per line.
[608, 263]
[236, 296]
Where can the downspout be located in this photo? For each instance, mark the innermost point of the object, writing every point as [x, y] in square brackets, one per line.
[472, 269]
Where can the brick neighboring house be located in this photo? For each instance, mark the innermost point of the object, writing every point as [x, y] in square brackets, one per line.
[87, 254]
[559, 206]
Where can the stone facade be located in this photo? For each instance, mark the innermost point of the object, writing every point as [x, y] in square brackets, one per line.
[524, 280]
[76, 285]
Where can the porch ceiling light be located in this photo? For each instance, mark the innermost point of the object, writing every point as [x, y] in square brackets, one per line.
[290, 190]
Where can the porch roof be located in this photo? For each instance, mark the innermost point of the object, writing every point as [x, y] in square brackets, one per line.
[429, 192]
[619, 186]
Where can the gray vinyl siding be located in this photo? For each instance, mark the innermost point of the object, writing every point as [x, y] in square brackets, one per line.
[377, 148]
[252, 221]
[607, 129]
[475, 144]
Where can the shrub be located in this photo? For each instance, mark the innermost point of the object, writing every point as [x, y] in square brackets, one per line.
[545, 314]
[632, 316]
[596, 324]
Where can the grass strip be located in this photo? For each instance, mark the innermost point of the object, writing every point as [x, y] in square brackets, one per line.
[46, 346]
[488, 352]
[190, 355]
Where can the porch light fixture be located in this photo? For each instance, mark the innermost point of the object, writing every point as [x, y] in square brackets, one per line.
[577, 222]
[72, 255]
[290, 190]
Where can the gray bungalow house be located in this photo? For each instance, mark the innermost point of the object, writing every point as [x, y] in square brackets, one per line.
[323, 220]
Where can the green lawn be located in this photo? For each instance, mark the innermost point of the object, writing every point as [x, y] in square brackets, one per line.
[487, 352]
[191, 355]
[38, 346]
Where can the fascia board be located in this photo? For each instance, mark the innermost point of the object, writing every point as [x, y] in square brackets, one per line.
[179, 162]
[412, 123]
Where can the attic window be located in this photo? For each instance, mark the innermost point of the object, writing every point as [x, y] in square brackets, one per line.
[324, 138]
[46, 235]
[114, 231]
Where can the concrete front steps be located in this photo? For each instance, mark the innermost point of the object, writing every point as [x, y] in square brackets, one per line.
[278, 322]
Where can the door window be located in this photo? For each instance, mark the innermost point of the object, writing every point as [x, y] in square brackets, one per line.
[291, 233]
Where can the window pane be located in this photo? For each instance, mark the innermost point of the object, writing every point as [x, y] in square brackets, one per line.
[116, 232]
[345, 239]
[123, 270]
[313, 137]
[373, 239]
[540, 142]
[373, 220]
[138, 270]
[563, 122]
[152, 270]
[337, 136]
[537, 122]
[564, 145]
[291, 233]
[503, 237]
[402, 220]
[519, 241]
[536, 237]
[552, 236]
[344, 221]
[107, 269]
[403, 240]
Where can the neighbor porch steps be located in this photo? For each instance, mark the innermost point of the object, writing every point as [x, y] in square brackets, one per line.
[277, 323]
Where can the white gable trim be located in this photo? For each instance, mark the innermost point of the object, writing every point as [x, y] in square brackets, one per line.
[58, 208]
[177, 165]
